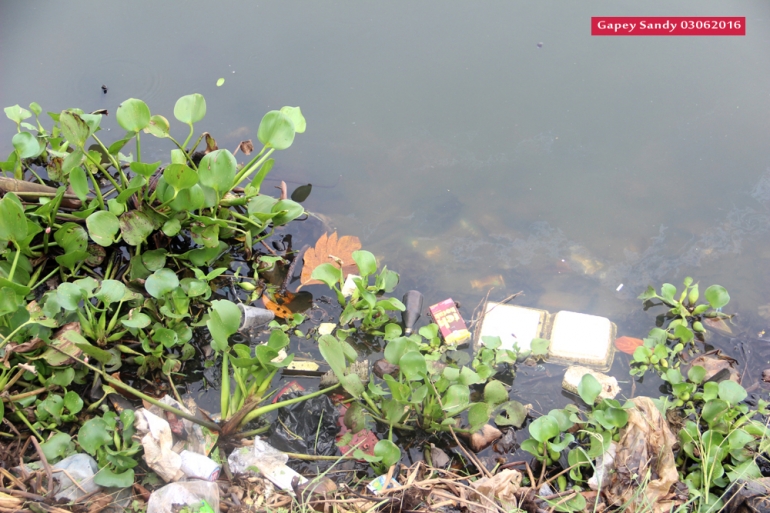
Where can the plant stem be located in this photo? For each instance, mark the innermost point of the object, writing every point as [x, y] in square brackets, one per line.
[138, 148]
[104, 171]
[114, 161]
[97, 189]
[188, 138]
[246, 171]
[15, 261]
[225, 392]
[270, 407]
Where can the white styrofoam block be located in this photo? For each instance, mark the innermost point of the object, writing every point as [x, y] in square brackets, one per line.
[582, 339]
[513, 324]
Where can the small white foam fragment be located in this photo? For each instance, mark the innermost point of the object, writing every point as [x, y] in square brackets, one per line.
[349, 286]
[575, 373]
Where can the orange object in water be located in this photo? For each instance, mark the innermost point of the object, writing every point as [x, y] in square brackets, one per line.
[628, 344]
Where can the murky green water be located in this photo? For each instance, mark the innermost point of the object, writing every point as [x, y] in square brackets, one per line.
[460, 150]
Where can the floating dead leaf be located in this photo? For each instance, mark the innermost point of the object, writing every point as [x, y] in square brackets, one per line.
[628, 344]
[484, 437]
[285, 304]
[329, 249]
[717, 324]
[715, 364]
[764, 311]
[62, 348]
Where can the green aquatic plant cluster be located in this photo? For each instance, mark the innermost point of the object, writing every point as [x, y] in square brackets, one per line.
[89, 279]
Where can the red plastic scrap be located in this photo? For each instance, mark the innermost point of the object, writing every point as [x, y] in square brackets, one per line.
[292, 386]
[365, 437]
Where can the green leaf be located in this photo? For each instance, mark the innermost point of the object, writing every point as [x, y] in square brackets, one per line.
[456, 399]
[229, 313]
[102, 227]
[159, 126]
[287, 211]
[133, 115]
[478, 415]
[56, 446]
[589, 389]
[144, 169]
[135, 226]
[74, 128]
[154, 259]
[512, 413]
[26, 145]
[544, 428]
[296, 117]
[413, 365]
[17, 114]
[137, 320]
[717, 296]
[106, 477]
[172, 227]
[276, 130]
[469, 377]
[190, 109]
[13, 223]
[731, 392]
[93, 434]
[327, 273]
[220, 82]
[539, 346]
[79, 183]
[180, 176]
[111, 291]
[73, 402]
[217, 171]
[71, 237]
[331, 350]
[667, 292]
[388, 451]
[161, 282]
[367, 264]
[696, 374]
[495, 393]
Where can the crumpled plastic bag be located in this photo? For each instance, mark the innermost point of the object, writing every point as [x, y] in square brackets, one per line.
[268, 460]
[751, 495]
[82, 468]
[502, 486]
[196, 438]
[303, 419]
[188, 493]
[645, 446]
[158, 443]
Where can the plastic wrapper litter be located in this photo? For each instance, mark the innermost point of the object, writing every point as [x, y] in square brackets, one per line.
[189, 493]
[313, 426]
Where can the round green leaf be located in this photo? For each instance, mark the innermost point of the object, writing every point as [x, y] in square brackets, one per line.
[137, 320]
[102, 227]
[158, 126]
[172, 226]
[144, 168]
[13, 223]
[495, 393]
[111, 291]
[512, 413]
[190, 109]
[180, 176]
[217, 170]
[327, 273]
[74, 128]
[388, 451]
[135, 226]
[107, 478]
[456, 399]
[696, 374]
[188, 200]
[220, 82]
[544, 428]
[94, 434]
[26, 145]
[413, 365]
[478, 415]
[56, 446]
[717, 296]
[731, 392]
[296, 117]
[154, 259]
[161, 282]
[71, 237]
[133, 115]
[367, 264]
[276, 130]
[229, 313]
[17, 114]
[589, 389]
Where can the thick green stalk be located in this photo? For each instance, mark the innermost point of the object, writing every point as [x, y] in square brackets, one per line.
[15, 261]
[138, 148]
[97, 189]
[113, 161]
[225, 392]
[280, 404]
[246, 171]
[104, 171]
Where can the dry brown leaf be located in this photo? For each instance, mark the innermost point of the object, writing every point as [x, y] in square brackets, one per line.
[330, 250]
[280, 306]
